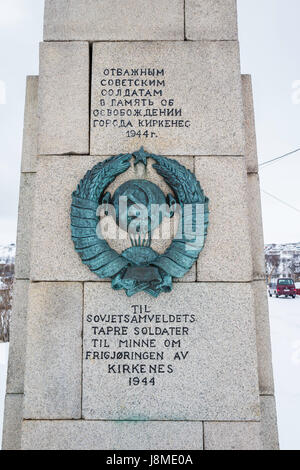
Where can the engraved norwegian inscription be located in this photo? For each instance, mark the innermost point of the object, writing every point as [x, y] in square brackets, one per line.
[135, 102]
[141, 345]
[146, 358]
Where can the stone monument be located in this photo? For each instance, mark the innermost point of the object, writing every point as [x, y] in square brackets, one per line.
[119, 345]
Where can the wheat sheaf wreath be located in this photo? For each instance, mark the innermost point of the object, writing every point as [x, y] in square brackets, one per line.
[139, 269]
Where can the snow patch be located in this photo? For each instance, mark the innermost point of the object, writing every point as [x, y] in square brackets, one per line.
[285, 335]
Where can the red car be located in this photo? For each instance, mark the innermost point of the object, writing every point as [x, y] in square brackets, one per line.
[283, 286]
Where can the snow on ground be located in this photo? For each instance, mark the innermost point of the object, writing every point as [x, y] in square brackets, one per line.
[285, 334]
[3, 370]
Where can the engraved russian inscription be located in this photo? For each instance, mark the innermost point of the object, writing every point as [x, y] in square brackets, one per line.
[135, 101]
[177, 98]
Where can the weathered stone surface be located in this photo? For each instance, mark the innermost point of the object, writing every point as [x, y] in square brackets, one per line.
[269, 432]
[112, 20]
[227, 252]
[53, 254]
[256, 227]
[12, 422]
[17, 346]
[54, 257]
[232, 436]
[249, 123]
[216, 381]
[64, 98]
[211, 20]
[191, 276]
[68, 435]
[263, 339]
[30, 133]
[202, 80]
[54, 347]
[23, 252]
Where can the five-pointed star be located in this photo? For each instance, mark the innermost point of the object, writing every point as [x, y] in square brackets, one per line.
[141, 156]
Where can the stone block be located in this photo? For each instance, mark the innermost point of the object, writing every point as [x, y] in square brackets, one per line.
[256, 227]
[249, 123]
[64, 98]
[263, 339]
[113, 20]
[17, 346]
[54, 348]
[138, 435]
[24, 232]
[232, 436]
[30, 133]
[227, 252]
[211, 20]
[12, 422]
[210, 375]
[181, 98]
[269, 430]
[54, 257]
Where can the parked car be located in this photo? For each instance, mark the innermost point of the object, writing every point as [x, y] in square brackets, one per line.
[282, 287]
[297, 288]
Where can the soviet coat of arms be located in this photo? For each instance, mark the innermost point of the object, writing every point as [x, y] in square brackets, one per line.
[139, 268]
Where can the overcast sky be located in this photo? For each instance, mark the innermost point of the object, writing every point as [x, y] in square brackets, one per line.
[270, 37]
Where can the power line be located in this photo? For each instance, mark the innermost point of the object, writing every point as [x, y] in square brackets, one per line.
[279, 158]
[282, 202]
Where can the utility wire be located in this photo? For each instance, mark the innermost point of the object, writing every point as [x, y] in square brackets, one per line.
[280, 200]
[279, 158]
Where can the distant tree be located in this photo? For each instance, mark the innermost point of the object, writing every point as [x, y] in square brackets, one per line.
[5, 308]
[272, 264]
